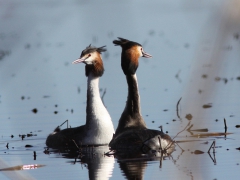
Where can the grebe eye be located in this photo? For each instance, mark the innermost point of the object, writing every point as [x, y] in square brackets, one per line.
[89, 55]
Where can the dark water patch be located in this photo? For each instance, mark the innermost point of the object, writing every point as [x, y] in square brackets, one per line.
[186, 45]
[217, 78]
[4, 53]
[27, 46]
[46, 96]
[152, 33]
[204, 76]
[236, 36]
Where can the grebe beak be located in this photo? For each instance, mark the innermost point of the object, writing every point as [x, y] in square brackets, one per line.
[78, 61]
[146, 55]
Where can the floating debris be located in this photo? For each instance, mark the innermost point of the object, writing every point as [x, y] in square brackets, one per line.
[28, 146]
[198, 152]
[34, 110]
[189, 117]
[200, 130]
[210, 134]
[34, 155]
[205, 106]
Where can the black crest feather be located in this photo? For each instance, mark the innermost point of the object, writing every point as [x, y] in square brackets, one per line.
[91, 49]
[125, 43]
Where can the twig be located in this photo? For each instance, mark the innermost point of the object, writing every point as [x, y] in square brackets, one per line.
[177, 108]
[75, 144]
[161, 159]
[159, 138]
[64, 123]
[225, 125]
[183, 129]
[104, 92]
[212, 145]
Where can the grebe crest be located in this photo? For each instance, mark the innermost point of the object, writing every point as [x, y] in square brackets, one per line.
[131, 52]
[91, 56]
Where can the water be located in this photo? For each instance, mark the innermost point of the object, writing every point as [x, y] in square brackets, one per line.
[193, 46]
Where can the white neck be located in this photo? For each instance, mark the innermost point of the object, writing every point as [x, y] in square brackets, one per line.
[98, 122]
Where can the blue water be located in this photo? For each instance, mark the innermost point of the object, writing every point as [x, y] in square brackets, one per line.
[38, 42]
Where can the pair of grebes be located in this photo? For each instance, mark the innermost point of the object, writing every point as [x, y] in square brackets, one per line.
[132, 133]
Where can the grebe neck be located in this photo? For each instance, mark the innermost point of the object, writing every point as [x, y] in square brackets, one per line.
[133, 100]
[95, 111]
[131, 117]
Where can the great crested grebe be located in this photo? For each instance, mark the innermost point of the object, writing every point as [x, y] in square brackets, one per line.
[98, 129]
[132, 133]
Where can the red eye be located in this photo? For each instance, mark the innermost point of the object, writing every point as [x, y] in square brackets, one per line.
[89, 55]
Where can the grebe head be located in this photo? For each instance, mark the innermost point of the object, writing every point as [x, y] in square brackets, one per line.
[131, 51]
[91, 56]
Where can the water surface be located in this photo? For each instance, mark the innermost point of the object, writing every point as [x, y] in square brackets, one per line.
[195, 48]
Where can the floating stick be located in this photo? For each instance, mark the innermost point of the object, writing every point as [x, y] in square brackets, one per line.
[177, 108]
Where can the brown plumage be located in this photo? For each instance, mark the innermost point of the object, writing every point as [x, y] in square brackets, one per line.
[132, 133]
[130, 55]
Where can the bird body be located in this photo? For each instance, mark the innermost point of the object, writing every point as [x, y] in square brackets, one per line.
[132, 134]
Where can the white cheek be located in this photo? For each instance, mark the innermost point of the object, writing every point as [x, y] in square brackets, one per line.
[88, 61]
